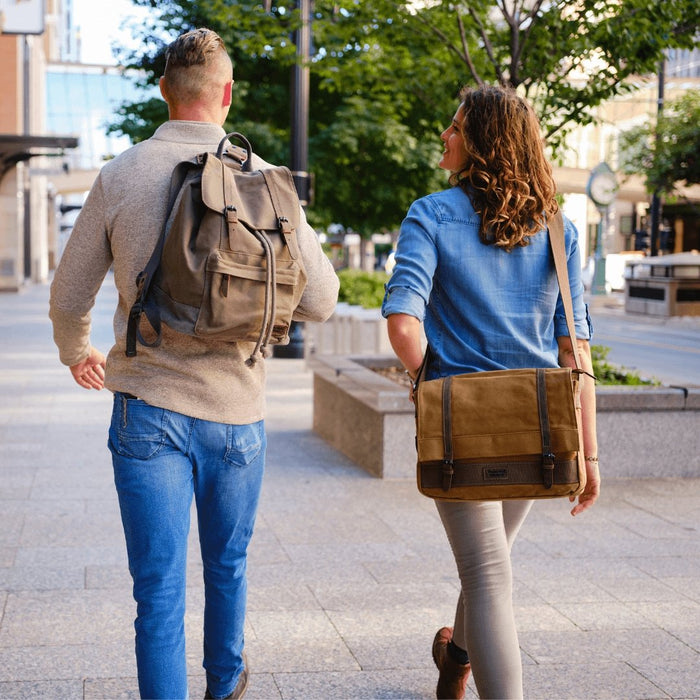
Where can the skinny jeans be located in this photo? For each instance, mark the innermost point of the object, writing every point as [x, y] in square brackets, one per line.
[162, 459]
[481, 534]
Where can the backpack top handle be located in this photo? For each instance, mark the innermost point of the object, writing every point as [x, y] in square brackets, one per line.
[248, 163]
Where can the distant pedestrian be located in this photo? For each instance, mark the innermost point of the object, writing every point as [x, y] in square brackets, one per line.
[473, 263]
[188, 415]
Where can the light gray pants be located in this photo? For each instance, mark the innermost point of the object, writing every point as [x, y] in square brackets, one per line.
[481, 534]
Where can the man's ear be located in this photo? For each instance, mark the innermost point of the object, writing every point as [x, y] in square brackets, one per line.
[163, 89]
[228, 90]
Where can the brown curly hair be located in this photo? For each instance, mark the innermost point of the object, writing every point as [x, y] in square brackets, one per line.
[506, 174]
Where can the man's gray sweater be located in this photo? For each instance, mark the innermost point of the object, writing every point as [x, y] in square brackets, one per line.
[119, 226]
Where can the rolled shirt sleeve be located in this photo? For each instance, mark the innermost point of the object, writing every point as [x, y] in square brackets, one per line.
[401, 300]
[411, 283]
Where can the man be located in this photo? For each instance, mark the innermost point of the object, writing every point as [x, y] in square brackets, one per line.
[187, 417]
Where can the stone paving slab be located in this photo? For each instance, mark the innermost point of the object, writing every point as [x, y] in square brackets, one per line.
[57, 690]
[349, 576]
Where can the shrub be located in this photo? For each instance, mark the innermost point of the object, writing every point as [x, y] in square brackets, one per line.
[611, 374]
[362, 288]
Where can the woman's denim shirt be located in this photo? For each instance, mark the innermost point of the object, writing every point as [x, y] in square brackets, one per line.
[482, 308]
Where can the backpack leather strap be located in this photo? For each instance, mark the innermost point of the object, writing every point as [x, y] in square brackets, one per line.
[288, 220]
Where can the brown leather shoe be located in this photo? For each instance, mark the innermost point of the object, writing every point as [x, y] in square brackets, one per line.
[452, 682]
[241, 686]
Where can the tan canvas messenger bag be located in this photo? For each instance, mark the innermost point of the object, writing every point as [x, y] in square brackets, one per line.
[506, 434]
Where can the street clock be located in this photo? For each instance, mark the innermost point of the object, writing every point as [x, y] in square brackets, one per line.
[602, 186]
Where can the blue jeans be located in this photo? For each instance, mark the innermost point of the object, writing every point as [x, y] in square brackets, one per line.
[161, 459]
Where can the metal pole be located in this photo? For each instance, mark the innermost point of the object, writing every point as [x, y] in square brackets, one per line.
[26, 126]
[26, 85]
[300, 104]
[299, 160]
[655, 210]
[598, 286]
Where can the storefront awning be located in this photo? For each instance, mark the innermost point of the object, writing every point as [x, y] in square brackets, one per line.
[16, 149]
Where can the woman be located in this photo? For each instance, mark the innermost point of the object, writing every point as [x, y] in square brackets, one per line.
[473, 263]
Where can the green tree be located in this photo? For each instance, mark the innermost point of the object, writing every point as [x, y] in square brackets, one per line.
[666, 153]
[566, 57]
[385, 76]
[369, 166]
[368, 162]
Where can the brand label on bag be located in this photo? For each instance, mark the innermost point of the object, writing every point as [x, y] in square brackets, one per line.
[495, 473]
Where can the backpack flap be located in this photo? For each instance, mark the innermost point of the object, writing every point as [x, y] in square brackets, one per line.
[222, 185]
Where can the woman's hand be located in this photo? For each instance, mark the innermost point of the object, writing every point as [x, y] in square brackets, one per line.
[590, 493]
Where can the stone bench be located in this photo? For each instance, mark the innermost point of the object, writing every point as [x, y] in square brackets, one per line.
[642, 431]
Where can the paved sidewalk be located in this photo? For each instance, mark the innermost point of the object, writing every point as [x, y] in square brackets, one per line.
[349, 576]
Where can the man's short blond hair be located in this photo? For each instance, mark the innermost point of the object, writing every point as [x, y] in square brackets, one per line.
[196, 65]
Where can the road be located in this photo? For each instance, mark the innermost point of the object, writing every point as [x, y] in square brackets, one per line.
[665, 349]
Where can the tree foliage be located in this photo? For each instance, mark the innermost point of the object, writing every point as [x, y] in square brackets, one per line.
[566, 57]
[666, 153]
[385, 76]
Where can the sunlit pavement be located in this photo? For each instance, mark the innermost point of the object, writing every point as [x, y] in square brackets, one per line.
[350, 576]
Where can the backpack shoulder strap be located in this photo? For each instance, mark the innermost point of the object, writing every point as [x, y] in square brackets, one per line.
[145, 278]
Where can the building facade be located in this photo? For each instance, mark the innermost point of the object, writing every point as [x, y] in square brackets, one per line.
[53, 136]
[28, 153]
[627, 222]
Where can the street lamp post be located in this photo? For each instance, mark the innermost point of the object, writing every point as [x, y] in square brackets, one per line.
[655, 208]
[300, 104]
[299, 156]
[599, 274]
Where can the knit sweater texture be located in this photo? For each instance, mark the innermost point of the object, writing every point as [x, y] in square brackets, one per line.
[117, 228]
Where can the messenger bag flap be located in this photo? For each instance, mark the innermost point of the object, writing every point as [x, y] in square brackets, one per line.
[493, 432]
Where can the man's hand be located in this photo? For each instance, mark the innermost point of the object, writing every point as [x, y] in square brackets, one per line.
[90, 373]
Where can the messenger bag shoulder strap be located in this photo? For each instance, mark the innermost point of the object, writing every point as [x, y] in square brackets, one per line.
[556, 240]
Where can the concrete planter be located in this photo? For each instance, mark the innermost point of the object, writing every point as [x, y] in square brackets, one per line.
[642, 431]
[351, 330]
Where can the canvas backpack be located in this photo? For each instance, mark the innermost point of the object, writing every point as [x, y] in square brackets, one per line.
[227, 265]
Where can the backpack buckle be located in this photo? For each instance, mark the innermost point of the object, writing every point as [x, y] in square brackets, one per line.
[285, 226]
[231, 214]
